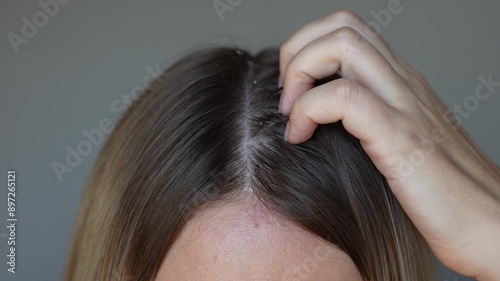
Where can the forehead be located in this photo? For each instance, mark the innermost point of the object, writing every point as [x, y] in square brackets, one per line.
[242, 240]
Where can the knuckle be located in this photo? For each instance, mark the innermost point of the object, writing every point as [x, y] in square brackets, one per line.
[345, 91]
[299, 74]
[297, 71]
[285, 51]
[285, 48]
[349, 39]
[344, 16]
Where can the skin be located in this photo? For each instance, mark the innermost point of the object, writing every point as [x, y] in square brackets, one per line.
[448, 187]
[242, 240]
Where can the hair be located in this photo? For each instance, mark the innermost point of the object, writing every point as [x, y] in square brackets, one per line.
[209, 130]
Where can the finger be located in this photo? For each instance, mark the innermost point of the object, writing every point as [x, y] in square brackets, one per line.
[363, 114]
[347, 50]
[321, 27]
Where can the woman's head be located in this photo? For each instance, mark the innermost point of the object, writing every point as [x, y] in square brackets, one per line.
[196, 183]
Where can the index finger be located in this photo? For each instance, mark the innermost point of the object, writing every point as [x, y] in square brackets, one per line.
[347, 50]
[321, 27]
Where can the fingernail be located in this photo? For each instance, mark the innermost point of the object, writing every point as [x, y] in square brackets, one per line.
[287, 128]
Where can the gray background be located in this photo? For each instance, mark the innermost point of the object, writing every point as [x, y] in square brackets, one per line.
[89, 53]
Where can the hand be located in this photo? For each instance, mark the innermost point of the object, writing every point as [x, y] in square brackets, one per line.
[445, 183]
